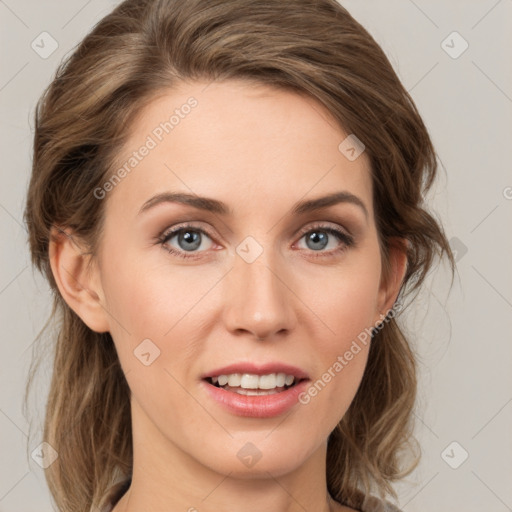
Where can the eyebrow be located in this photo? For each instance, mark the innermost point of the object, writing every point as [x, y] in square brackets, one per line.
[201, 203]
[320, 203]
[218, 207]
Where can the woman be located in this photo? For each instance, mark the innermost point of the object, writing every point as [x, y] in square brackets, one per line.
[227, 199]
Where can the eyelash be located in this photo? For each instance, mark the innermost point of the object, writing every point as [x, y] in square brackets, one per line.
[348, 240]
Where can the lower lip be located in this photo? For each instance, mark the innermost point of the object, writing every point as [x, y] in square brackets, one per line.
[262, 406]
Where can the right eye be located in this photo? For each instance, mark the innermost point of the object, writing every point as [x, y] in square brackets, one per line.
[184, 239]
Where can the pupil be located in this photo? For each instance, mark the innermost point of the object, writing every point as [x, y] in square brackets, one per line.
[317, 237]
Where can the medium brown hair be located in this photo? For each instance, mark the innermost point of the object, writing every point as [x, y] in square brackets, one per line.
[143, 49]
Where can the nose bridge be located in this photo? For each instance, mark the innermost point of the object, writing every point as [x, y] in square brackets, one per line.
[258, 301]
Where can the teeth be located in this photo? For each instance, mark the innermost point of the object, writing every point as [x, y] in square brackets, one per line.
[252, 381]
[234, 380]
[288, 380]
[249, 381]
[267, 381]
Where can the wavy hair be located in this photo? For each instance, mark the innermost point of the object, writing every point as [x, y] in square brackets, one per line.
[144, 48]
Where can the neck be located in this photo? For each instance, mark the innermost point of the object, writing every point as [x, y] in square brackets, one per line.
[165, 478]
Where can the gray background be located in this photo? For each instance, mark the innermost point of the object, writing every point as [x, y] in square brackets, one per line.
[462, 337]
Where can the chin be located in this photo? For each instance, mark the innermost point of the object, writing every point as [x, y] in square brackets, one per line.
[256, 460]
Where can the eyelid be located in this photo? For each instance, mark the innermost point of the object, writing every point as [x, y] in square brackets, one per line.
[181, 226]
[322, 225]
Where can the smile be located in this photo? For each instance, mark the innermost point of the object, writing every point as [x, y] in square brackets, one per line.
[250, 384]
[256, 391]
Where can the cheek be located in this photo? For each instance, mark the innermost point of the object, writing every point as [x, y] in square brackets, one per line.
[157, 331]
[346, 301]
[150, 297]
[347, 305]
[152, 324]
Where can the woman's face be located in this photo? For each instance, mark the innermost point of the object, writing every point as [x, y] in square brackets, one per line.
[226, 256]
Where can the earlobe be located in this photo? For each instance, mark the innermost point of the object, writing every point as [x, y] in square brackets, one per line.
[393, 276]
[77, 280]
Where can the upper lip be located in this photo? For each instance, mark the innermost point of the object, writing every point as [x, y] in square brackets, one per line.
[258, 369]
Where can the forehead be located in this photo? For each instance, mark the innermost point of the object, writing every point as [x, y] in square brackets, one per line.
[243, 143]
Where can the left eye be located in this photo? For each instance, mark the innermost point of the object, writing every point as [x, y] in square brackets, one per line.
[319, 239]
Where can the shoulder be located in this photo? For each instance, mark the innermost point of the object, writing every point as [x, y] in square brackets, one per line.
[370, 504]
[113, 495]
[374, 504]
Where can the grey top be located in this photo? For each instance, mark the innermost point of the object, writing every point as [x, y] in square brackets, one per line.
[371, 503]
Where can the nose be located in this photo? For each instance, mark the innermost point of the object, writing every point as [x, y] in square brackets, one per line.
[258, 300]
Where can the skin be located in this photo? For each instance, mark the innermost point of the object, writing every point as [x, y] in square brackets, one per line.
[259, 150]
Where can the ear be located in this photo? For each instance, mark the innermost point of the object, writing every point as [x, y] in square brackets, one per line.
[77, 278]
[392, 275]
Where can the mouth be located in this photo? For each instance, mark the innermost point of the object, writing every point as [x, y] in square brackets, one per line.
[262, 390]
[252, 384]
